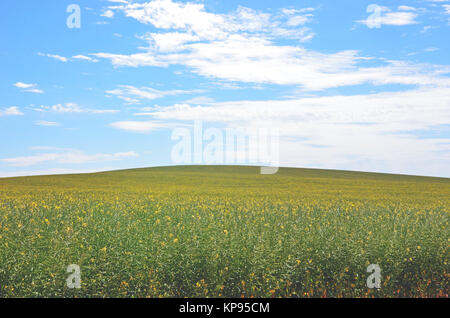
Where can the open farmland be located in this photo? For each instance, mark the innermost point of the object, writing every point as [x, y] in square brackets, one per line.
[214, 231]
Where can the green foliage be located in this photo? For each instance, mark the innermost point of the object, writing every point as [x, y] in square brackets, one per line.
[224, 232]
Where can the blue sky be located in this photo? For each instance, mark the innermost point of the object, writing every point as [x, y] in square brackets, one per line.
[355, 85]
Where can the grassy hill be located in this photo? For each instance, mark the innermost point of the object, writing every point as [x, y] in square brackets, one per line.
[224, 231]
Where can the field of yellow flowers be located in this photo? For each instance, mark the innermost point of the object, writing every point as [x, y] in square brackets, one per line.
[224, 232]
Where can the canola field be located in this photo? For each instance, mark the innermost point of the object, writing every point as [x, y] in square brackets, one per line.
[224, 232]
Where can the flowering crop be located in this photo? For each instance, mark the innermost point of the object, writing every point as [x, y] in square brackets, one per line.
[224, 232]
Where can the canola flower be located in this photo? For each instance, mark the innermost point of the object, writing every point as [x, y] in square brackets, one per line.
[224, 232]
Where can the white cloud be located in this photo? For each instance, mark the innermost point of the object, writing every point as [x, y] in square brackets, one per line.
[255, 60]
[406, 8]
[39, 148]
[299, 20]
[67, 157]
[185, 24]
[140, 126]
[31, 88]
[241, 47]
[108, 14]
[35, 90]
[387, 132]
[24, 85]
[133, 60]
[85, 58]
[414, 109]
[54, 56]
[425, 29]
[399, 18]
[66, 59]
[73, 108]
[133, 95]
[46, 123]
[298, 16]
[11, 111]
[384, 16]
[200, 100]
[447, 8]
[197, 24]
[171, 41]
[54, 171]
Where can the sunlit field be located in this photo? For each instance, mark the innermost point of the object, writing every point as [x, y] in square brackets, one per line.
[224, 232]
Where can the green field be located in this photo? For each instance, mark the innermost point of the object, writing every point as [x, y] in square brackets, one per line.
[224, 232]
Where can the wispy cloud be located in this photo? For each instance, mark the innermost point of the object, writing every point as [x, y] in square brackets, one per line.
[193, 23]
[11, 111]
[447, 11]
[24, 85]
[447, 8]
[412, 109]
[374, 132]
[406, 8]
[141, 126]
[46, 123]
[242, 47]
[119, 1]
[133, 95]
[73, 108]
[67, 157]
[68, 59]
[257, 61]
[53, 171]
[380, 15]
[31, 88]
[54, 56]
[108, 14]
[84, 58]
[52, 148]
